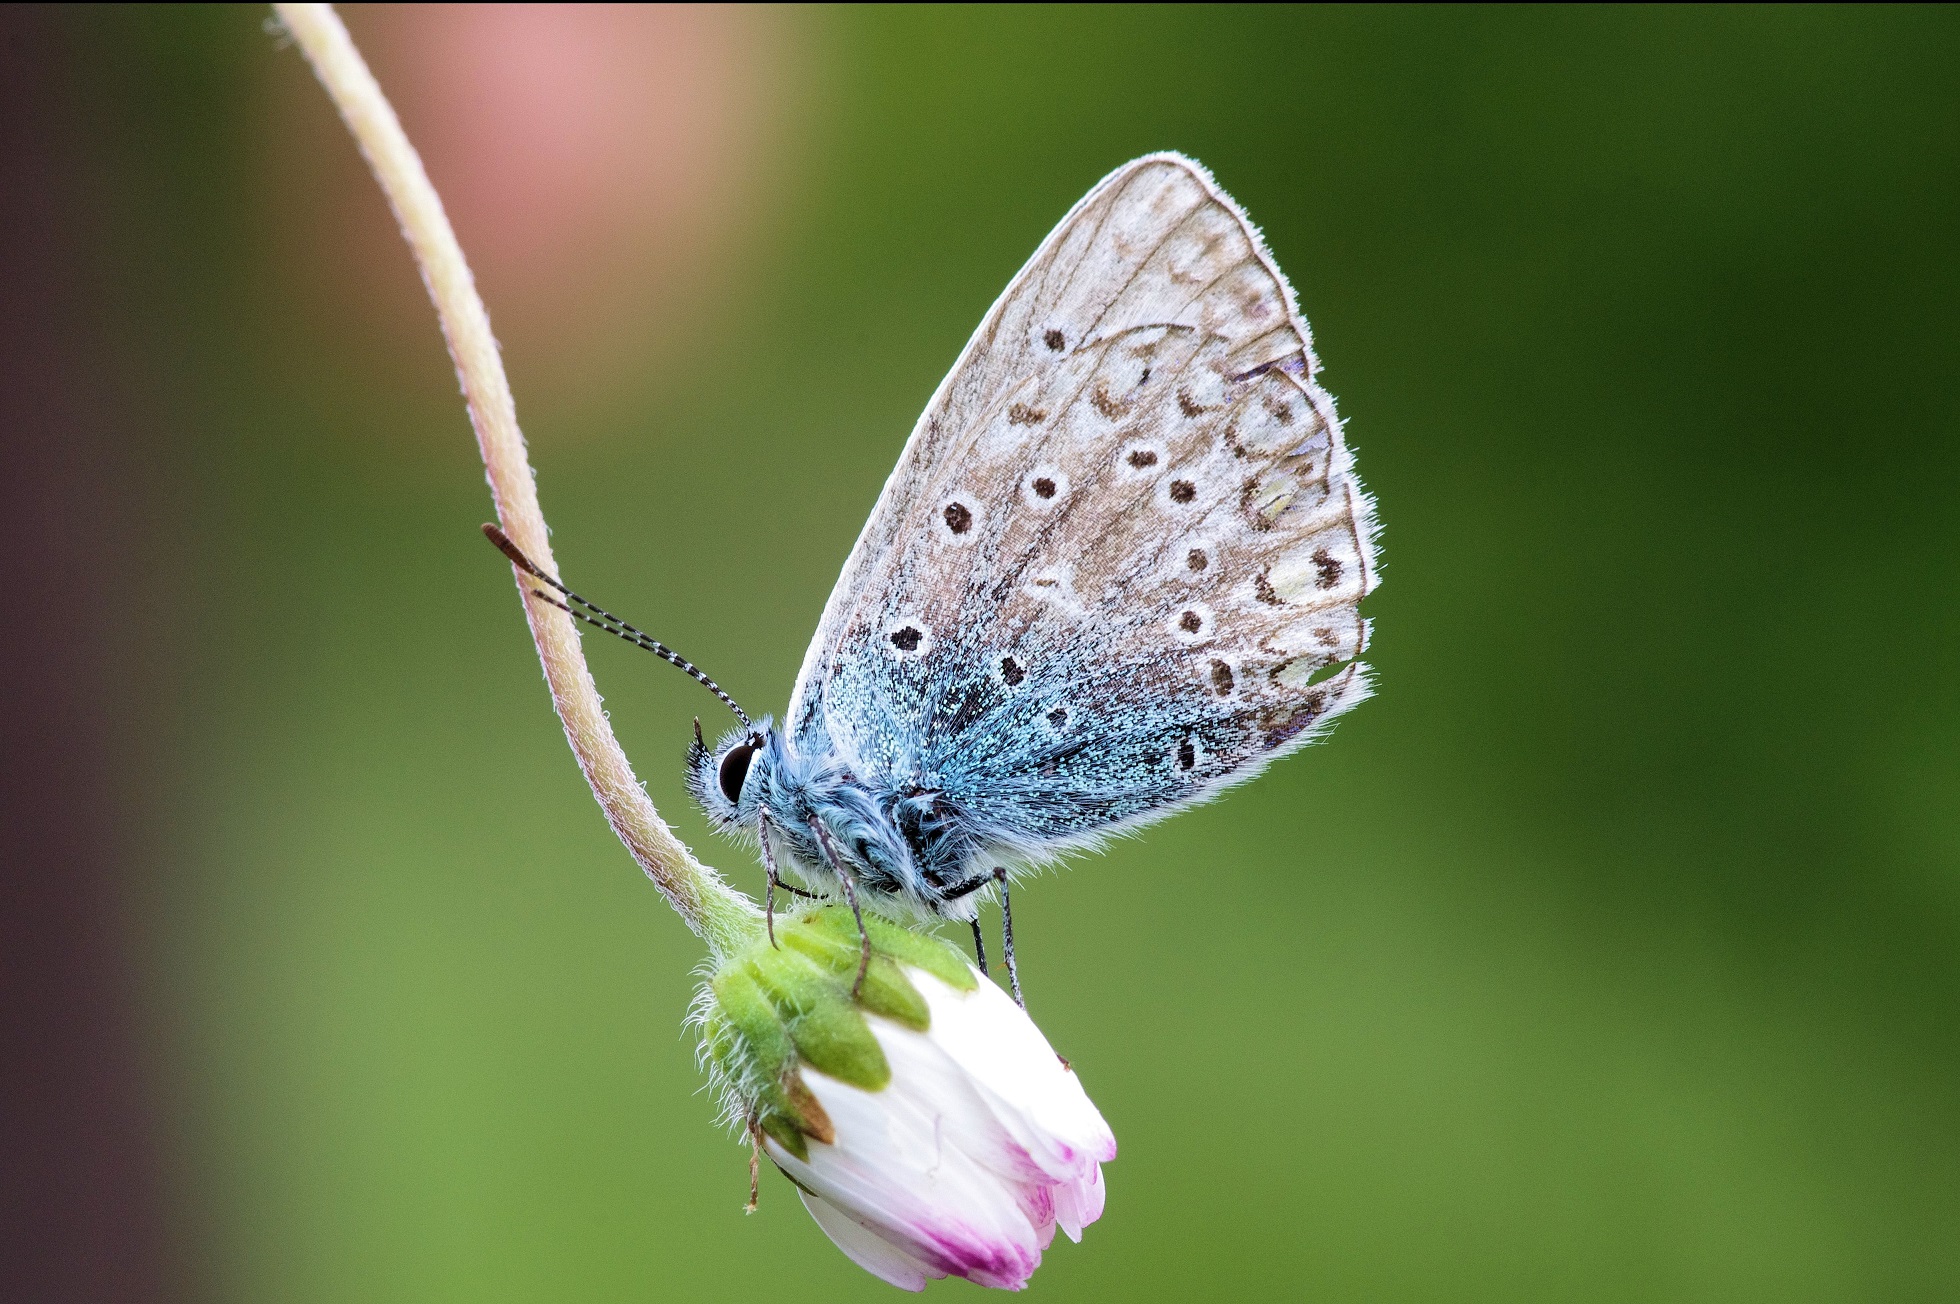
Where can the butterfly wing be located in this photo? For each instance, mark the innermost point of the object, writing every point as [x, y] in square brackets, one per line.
[1119, 564]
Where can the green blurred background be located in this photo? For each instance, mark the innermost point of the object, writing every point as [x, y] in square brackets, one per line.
[1610, 954]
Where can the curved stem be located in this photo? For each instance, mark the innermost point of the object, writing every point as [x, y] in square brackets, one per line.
[723, 917]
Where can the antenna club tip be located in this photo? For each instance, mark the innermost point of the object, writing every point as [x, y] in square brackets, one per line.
[512, 551]
[493, 532]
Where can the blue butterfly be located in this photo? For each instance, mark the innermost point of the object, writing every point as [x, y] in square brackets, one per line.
[1117, 569]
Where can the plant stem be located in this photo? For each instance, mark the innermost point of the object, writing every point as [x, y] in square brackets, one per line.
[723, 917]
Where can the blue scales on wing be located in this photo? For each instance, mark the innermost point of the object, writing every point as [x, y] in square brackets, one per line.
[1119, 565]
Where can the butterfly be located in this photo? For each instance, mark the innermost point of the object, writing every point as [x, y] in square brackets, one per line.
[1117, 569]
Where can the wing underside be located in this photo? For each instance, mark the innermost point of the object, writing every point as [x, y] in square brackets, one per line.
[1119, 564]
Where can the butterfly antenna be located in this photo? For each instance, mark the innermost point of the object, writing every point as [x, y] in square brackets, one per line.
[607, 621]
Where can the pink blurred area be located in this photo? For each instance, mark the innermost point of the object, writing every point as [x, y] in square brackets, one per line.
[597, 162]
[601, 165]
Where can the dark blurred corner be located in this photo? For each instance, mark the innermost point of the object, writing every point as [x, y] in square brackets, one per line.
[1607, 956]
[82, 1217]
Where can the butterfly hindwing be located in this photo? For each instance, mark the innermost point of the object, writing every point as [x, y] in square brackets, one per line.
[1119, 564]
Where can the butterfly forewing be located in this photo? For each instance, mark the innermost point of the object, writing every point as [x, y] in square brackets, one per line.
[1120, 561]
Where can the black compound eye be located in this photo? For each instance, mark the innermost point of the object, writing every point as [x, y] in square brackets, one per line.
[734, 769]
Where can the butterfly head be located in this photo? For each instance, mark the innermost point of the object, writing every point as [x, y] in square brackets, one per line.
[728, 777]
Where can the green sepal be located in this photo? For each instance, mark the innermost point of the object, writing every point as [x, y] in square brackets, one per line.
[935, 955]
[773, 1009]
[747, 1039]
[886, 989]
[829, 1031]
[740, 1000]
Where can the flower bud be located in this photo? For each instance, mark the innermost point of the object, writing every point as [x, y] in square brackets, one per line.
[928, 1126]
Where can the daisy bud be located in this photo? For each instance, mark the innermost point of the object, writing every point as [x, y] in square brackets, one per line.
[928, 1126]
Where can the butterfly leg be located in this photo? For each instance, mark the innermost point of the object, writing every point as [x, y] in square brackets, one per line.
[1007, 937]
[768, 864]
[850, 895]
[973, 884]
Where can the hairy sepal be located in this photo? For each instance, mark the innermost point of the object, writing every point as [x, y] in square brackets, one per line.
[768, 1012]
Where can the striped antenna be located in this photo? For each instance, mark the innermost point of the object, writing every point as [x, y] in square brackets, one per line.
[607, 621]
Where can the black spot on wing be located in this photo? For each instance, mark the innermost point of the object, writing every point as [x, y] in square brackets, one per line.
[1109, 406]
[1327, 569]
[1221, 678]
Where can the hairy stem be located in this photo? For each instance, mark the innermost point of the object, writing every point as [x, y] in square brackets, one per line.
[725, 918]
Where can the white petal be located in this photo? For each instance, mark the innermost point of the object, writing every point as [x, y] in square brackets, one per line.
[893, 1169]
[967, 1162]
[1079, 1203]
[1041, 1102]
[866, 1248]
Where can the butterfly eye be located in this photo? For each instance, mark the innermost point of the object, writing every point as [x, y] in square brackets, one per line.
[734, 769]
